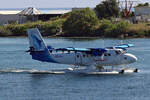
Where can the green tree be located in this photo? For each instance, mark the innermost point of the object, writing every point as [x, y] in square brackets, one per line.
[107, 9]
[146, 4]
[141, 4]
[81, 23]
[111, 29]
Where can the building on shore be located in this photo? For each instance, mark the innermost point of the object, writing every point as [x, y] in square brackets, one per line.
[142, 13]
[9, 16]
[28, 14]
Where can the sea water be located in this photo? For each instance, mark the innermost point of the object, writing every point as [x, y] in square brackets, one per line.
[16, 83]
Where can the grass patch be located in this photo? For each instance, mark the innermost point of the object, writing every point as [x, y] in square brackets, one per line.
[139, 30]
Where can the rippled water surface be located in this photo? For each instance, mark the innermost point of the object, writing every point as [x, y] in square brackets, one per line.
[17, 84]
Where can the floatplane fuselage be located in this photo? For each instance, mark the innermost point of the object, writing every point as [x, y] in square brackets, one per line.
[90, 58]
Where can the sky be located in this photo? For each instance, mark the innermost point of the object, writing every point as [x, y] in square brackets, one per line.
[50, 3]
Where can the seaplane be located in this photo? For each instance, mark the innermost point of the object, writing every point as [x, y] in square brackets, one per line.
[84, 60]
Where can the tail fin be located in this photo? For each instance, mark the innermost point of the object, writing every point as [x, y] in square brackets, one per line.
[35, 40]
[38, 48]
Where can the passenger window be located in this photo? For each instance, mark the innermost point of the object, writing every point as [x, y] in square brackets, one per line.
[105, 54]
[51, 51]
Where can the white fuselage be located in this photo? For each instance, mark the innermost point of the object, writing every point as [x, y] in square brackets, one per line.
[110, 58]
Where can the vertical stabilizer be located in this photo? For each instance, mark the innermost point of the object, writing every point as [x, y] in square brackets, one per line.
[35, 40]
[38, 48]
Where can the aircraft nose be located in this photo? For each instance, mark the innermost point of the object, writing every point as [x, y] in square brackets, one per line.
[131, 58]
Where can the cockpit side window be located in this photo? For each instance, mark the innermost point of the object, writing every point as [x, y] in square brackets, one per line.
[118, 52]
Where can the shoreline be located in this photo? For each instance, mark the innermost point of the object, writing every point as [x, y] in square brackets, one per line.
[94, 37]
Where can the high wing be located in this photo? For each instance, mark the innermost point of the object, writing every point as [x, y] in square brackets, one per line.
[125, 46]
[122, 46]
[74, 49]
[91, 51]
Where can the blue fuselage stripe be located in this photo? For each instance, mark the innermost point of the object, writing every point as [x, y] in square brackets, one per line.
[43, 56]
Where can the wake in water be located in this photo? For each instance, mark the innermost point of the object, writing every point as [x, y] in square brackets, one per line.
[32, 71]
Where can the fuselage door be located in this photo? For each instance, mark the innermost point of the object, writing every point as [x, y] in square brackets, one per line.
[78, 58]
